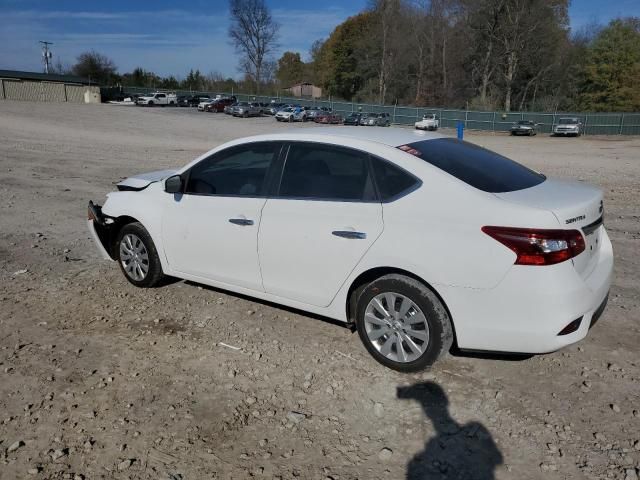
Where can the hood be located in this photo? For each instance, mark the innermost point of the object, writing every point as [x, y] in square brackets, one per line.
[143, 180]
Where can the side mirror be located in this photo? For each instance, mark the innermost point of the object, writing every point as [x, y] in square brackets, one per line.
[173, 184]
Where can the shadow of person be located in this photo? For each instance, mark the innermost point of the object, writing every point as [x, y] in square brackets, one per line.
[457, 451]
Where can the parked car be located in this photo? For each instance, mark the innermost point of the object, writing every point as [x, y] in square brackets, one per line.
[376, 120]
[192, 100]
[229, 108]
[471, 242]
[246, 109]
[524, 127]
[204, 104]
[570, 126]
[157, 98]
[291, 114]
[313, 112]
[273, 108]
[219, 104]
[328, 118]
[429, 122]
[353, 119]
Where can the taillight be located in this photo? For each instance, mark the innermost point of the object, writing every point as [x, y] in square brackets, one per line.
[539, 246]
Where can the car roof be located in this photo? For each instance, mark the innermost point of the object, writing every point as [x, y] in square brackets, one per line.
[392, 137]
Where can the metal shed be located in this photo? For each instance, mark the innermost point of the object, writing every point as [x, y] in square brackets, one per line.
[43, 87]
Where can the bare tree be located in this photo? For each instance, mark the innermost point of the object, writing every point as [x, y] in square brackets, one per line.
[253, 32]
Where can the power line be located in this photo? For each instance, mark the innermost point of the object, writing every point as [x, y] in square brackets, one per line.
[46, 55]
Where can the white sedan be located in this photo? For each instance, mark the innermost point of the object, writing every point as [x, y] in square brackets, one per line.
[417, 239]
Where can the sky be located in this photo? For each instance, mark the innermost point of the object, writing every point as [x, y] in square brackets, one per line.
[170, 38]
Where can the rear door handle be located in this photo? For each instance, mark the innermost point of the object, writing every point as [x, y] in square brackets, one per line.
[349, 234]
[241, 221]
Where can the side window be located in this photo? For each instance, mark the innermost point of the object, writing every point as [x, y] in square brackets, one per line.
[236, 171]
[161, 95]
[391, 180]
[323, 172]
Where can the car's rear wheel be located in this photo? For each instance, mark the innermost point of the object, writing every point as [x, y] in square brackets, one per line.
[402, 323]
[138, 257]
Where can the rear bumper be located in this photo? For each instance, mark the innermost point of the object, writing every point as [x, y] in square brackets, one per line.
[529, 309]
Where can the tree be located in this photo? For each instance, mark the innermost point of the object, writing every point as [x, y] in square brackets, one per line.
[290, 70]
[612, 69]
[194, 81]
[341, 61]
[96, 67]
[253, 32]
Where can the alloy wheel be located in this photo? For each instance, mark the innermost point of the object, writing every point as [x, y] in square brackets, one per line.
[134, 257]
[396, 327]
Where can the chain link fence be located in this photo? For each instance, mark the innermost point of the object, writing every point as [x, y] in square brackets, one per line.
[593, 123]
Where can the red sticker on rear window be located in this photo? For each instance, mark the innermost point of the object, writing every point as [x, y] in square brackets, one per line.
[409, 150]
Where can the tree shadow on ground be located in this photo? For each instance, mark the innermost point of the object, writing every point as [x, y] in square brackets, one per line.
[456, 451]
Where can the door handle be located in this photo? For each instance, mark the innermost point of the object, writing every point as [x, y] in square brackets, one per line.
[349, 234]
[241, 221]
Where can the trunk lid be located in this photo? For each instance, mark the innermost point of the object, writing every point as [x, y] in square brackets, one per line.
[576, 206]
[143, 180]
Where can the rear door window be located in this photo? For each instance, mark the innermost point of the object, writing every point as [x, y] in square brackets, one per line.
[324, 172]
[481, 168]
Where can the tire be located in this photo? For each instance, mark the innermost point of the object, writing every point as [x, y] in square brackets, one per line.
[435, 326]
[133, 239]
[246, 115]
[290, 119]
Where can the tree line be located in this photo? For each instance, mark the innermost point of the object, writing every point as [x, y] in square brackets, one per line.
[478, 54]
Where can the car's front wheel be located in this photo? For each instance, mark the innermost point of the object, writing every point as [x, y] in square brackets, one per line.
[138, 257]
[402, 323]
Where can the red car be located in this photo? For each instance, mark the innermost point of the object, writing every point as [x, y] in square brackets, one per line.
[219, 104]
[328, 117]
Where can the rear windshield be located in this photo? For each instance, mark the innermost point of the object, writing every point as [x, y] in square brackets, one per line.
[474, 165]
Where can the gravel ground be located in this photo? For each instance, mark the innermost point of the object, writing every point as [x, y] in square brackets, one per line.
[99, 379]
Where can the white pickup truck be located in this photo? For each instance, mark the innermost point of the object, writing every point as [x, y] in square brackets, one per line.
[429, 122]
[158, 98]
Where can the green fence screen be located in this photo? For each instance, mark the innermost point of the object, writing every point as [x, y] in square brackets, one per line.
[593, 123]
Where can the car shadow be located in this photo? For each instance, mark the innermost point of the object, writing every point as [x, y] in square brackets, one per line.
[278, 306]
[456, 451]
[483, 355]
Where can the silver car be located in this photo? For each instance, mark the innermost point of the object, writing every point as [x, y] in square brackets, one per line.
[246, 109]
[376, 120]
[570, 126]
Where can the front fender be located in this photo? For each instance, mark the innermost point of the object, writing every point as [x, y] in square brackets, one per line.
[146, 207]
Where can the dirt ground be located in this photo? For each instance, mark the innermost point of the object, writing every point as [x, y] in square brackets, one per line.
[99, 379]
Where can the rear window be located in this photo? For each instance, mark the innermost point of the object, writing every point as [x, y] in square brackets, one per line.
[474, 165]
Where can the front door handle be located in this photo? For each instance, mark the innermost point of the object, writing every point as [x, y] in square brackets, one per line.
[241, 221]
[349, 234]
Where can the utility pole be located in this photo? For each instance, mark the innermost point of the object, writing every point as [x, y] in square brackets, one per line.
[46, 55]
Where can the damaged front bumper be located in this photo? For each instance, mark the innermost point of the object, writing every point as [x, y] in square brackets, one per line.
[101, 230]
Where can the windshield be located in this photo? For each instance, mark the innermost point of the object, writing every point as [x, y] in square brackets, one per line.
[568, 121]
[474, 165]
[524, 122]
